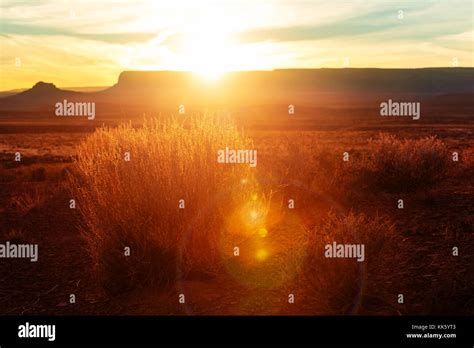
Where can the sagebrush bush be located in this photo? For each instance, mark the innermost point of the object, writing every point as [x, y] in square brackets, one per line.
[308, 167]
[341, 285]
[135, 203]
[408, 164]
[389, 164]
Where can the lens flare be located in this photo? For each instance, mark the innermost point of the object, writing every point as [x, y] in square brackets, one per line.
[261, 255]
[254, 215]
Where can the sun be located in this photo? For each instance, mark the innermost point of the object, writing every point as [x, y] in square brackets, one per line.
[209, 50]
[208, 55]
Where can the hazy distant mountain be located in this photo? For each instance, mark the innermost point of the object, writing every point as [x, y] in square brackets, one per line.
[40, 94]
[11, 92]
[72, 89]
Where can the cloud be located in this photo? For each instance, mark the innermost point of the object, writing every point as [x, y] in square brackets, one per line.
[382, 24]
[9, 28]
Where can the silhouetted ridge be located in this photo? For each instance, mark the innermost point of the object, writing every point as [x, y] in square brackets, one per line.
[430, 80]
[44, 87]
[139, 91]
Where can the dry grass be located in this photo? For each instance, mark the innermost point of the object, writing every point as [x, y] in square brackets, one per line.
[305, 166]
[407, 165]
[22, 203]
[342, 285]
[448, 278]
[135, 203]
[385, 164]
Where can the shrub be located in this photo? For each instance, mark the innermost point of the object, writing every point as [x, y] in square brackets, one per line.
[135, 203]
[340, 285]
[307, 167]
[406, 165]
[30, 199]
[389, 164]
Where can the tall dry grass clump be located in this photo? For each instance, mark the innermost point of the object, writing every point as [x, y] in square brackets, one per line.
[387, 164]
[408, 164]
[344, 285]
[306, 167]
[135, 203]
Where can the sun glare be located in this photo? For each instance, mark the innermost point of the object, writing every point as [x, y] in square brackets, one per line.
[208, 55]
[261, 255]
[209, 50]
[262, 232]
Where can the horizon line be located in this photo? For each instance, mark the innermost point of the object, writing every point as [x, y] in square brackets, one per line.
[231, 72]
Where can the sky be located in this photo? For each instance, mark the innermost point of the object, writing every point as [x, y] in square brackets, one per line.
[89, 42]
